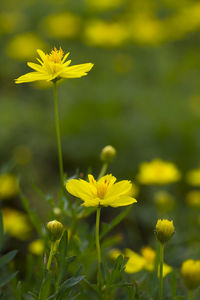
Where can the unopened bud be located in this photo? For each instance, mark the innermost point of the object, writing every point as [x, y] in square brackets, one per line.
[190, 272]
[108, 153]
[55, 229]
[164, 230]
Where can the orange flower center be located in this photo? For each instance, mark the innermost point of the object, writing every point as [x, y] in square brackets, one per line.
[55, 56]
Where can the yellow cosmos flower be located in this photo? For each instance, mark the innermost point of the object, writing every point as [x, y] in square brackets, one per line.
[158, 172]
[104, 192]
[137, 262]
[193, 177]
[193, 198]
[36, 247]
[16, 223]
[54, 66]
[8, 186]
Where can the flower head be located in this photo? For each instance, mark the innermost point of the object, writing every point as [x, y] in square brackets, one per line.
[8, 186]
[158, 172]
[55, 229]
[137, 262]
[108, 153]
[190, 272]
[193, 177]
[104, 192]
[193, 198]
[164, 230]
[54, 66]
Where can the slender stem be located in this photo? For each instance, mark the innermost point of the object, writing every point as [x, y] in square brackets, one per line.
[50, 256]
[103, 170]
[161, 271]
[190, 294]
[99, 278]
[60, 157]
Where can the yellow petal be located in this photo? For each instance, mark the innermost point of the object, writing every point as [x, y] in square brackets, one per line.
[81, 189]
[35, 67]
[123, 187]
[41, 54]
[65, 57]
[76, 71]
[135, 263]
[118, 201]
[32, 76]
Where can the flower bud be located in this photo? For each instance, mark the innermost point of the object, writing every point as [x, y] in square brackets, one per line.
[57, 211]
[190, 272]
[164, 230]
[55, 229]
[108, 153]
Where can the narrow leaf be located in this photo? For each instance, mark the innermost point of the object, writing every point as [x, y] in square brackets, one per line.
[6, 279]
[7, 258]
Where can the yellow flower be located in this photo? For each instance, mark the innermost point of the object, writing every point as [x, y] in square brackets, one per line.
[164, 230]
[62, 25]
[193, 198]
[36, 247]
[104, 192]
[16, 223]
[193, 177]
[137, 263]
[8, 186]
[105, 34]
[158, 172]
[21, 47]
[190, 272]
[164, 201]
[54, 66]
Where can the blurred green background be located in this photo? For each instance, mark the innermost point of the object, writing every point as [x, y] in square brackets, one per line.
[142, 96]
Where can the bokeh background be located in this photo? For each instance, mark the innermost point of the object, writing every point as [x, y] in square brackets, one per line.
[142, 97]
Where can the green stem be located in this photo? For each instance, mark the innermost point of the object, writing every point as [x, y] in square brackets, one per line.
[60, 158]
[99, 278]
[50, 256]
[161, 271]
[190, 294]
[103, 170]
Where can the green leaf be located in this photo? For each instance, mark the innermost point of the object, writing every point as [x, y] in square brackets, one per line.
[69, 283]
[19, 291]
[32, 215]
[1, 231]
[118, 268]
[5, 279]
[45, 287]
[7, 258]
[61, 256]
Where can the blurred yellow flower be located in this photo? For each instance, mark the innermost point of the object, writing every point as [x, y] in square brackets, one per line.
[146, 29]
[105, 34]
[137, 263]
[8, 186]
[158, 172]
[36, 247]
[62, 25]
[104, 192]
[193, 177]
[22, 46]
[104, 4]
[164, 201]
[54, 66]
[190, 271]
[16, 223]
[193, 198]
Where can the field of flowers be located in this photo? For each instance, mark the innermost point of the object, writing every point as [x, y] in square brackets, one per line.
[99, 156]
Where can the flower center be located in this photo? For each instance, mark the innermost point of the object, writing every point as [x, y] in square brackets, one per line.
[55, 56]
[102, 188]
